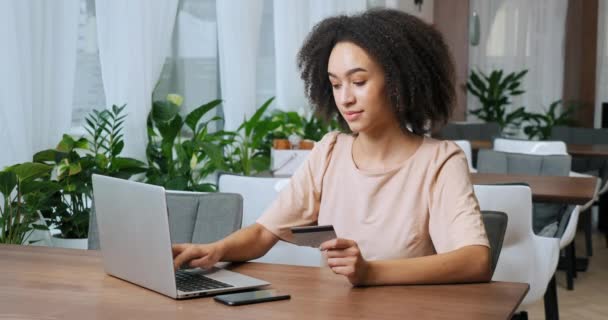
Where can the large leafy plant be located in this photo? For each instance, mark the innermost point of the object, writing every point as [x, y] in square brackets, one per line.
[248, 152]
[74, 161]
[290, 122]
[23, 194]
[494, 93]
[182, 152]
[541, 125]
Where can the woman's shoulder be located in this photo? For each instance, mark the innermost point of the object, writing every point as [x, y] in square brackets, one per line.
[333, 139]
[439, 152]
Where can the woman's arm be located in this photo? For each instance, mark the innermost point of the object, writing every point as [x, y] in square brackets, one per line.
[246, 244]
[467, 264]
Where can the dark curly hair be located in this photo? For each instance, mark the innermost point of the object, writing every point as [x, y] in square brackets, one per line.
[417, 64]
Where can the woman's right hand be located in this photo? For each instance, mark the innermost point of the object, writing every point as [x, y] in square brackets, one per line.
[197, 255]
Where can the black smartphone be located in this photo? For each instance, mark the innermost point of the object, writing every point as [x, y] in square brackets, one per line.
[237, 299]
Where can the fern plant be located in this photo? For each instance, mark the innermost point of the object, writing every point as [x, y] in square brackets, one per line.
[74, 161]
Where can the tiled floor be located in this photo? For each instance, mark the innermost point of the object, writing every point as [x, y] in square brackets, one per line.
[589, 299]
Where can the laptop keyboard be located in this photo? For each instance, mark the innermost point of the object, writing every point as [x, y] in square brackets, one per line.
[188, 282]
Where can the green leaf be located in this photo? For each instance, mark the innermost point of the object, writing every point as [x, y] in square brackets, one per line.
[205, 187]
[193, 117]
[66, 144]
[260, 163]
[74, 169]
[82, 143]
[170, 130]
[29, 170]
[253, 122]
[8, 182]
[177, 183]
[163, 111]
[50, 155]
[117, 148]
[214, 152]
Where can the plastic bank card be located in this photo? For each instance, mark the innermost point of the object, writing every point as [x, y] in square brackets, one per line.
[312, 236]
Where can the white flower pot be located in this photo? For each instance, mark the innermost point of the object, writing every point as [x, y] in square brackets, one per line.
[71, 243]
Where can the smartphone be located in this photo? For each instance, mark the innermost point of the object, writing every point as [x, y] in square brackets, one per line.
[257, 296]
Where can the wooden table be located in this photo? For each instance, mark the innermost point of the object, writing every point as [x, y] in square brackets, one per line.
[570, 190]
[52, 283]
[586, 150]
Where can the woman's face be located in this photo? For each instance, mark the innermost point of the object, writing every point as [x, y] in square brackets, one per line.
[359, 89]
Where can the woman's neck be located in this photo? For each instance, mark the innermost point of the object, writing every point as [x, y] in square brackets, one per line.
[384, 148]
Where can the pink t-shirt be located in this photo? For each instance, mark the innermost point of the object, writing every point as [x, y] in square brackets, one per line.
[423, 206]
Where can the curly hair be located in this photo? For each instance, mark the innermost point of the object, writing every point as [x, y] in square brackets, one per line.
[417, 64]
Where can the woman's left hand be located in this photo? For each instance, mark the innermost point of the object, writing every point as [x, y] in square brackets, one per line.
[344, 257]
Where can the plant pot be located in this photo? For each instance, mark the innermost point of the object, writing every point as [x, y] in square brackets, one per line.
[281, 144]
[70, 243]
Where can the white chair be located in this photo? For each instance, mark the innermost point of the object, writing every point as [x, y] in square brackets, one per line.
[258, 193]
[525, 257]
[551, 148]
[465, 145]
[543, 148]
[530, 147]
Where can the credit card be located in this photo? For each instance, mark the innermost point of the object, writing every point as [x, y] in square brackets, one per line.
[312, 236]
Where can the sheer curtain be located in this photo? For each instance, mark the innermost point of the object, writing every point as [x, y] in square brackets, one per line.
[293, 20]
[37, 64]
[133, 39]
[521, 34]
[601, 87]
[238, 28]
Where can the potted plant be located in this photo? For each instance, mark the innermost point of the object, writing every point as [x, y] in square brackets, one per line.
[74, 162]
[542, 124]
[181, 152]
[23, 195]
[494, 93]
[248, 149]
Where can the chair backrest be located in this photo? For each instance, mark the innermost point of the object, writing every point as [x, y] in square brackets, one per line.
[470, 131]
[465, 145]
[530, 147]
[525, 257]
[585, 136]
[258, 194]
[547, 216]
[194, 217]
[491, 161]
[577, 135]
[496, 225]
[197, 217]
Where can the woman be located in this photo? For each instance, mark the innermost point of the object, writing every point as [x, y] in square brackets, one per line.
[402, 204]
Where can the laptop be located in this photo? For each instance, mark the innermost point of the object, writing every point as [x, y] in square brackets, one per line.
[135, 243]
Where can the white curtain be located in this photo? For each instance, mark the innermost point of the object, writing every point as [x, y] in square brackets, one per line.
[601, 87]
[134, 37]
[238, 28]
[37, 64]
[522, 34]
[293, 20]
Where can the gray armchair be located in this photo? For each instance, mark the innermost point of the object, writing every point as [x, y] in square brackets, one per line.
[194, 217]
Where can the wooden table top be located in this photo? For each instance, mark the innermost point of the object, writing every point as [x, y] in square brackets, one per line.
[52, 283]
[569, 190]
[587, 150]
